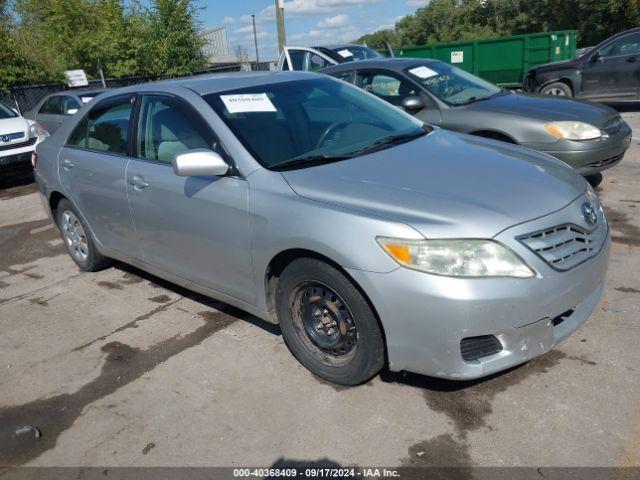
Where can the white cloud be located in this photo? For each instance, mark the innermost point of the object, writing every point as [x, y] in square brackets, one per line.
[417, 3]
[228, 20]
[339, 20]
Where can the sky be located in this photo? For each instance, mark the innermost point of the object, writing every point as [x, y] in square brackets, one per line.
[307, 22]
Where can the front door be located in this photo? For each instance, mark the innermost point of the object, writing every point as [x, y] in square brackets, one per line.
[614, 71]
[194, 227]
[92, 168]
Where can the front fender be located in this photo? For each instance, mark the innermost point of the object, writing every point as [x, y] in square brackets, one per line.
[571, 76]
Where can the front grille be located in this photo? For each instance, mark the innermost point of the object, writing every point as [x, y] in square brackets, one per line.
[612, 126]
[474, 348]
[566, 246]
[11, 146]
[608, 161]
[12, 136]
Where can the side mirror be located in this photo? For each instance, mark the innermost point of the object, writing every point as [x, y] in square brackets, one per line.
[413, 103]
[199, 163]
[594, 58]
[72, 111]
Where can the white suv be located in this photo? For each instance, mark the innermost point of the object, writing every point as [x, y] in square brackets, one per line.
[18, 138]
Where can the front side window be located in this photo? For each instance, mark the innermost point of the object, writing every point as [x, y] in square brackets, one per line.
[106, 127]
[6, 112]
[386, 86]
[168, 127]
[627, 45]
[344, 76]
[310, 120]
[297, 59]
[451, 84]
[69, 105]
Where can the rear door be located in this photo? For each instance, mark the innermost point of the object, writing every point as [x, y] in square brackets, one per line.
[614, 70]
[194, 227]
[92, 168]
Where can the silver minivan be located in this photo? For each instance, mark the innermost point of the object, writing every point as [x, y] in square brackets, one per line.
[368, 236]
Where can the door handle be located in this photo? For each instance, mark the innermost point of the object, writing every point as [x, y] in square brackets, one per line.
[138, 182]
[67, 164]
[631, 59]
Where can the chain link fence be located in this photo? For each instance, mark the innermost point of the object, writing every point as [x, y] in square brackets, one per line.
[24, 98]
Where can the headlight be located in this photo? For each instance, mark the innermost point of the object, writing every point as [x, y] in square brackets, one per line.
[456, 258]
[573, 130]
[37, 130]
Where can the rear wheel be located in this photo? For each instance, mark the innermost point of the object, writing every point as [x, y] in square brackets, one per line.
[558, 89]
[328, 324]
[77, 238]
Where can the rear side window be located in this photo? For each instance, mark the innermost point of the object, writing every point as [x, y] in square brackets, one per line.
[168, 127]
[106, 127]
[52, 106]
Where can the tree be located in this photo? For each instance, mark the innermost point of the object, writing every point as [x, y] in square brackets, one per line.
[175, 40]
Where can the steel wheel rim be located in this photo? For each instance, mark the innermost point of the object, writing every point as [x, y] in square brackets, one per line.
[558, 92]
[74, 236]
[324, 322]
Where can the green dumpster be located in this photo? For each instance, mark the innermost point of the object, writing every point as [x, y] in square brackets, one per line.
[504, 61]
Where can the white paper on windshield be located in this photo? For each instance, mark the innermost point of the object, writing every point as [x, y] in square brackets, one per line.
[423, 72]
[86, 99]
[248, 102]
[345, 53]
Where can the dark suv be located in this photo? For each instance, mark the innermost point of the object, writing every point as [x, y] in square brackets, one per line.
[608, 72]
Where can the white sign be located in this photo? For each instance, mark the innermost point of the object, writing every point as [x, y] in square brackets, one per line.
[457, 57]
[423, 72]
[345, 53]
[76, 78]
[248, 102]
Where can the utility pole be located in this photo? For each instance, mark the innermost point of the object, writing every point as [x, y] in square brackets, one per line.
[282, 38]
[255, 37]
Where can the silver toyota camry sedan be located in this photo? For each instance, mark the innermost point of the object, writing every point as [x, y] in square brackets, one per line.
[368, 236]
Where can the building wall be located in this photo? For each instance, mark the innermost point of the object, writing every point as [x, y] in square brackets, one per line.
[216, 46]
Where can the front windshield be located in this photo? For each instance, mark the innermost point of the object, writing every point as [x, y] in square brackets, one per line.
[6, 112]
[355, 52]
[308, 119]
[451, 84]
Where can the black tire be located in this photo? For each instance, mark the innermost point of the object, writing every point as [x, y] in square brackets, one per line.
[358, 354]
[559, 89]
[89, 259]
[594, 180]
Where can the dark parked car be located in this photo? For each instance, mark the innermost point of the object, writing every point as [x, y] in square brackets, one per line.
[587, 136]
[607, 72]
[312, 59]
[54, 109]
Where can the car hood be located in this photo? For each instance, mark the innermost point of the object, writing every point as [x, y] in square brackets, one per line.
[546, 108]
[560, 65]
[13, 125]
[445, 185]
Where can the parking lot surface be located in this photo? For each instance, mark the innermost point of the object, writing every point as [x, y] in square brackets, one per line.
[120, 368]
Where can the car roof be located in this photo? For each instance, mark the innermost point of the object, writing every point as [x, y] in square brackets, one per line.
[79, 92]
[397, 64]
[340, 45]
[220, 82]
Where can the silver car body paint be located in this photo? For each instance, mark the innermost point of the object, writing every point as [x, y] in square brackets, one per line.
[218, 235]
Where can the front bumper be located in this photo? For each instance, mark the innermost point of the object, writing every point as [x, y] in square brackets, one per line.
[589, 157]
[425, 317]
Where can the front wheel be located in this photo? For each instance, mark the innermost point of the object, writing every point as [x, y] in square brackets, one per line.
[559, 89]
[328, 324]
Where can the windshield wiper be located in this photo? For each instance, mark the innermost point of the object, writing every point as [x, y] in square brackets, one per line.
[389, 141]
[308, 161]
